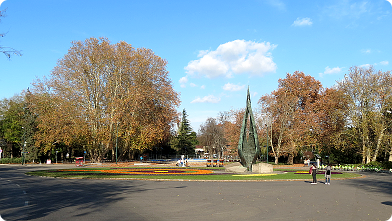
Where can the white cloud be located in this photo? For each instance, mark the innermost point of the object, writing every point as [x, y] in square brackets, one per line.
[203, 87]
[206, 99]
[192, 85]
[329, 70]
[278, 4]
[183, 81]
[366, 51]
[235, 57]
[233, 87]
[365, 66]
[390, 1]
[302, 22]
[384, 62]
[1, 2]
[380, 63]
[348, 9]
[209, 66]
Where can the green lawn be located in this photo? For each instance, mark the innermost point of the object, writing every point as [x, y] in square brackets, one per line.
[96, 173]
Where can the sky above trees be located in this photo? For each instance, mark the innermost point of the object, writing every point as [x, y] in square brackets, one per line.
[214, 49]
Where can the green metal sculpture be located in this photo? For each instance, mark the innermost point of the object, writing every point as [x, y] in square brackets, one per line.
[248, 145]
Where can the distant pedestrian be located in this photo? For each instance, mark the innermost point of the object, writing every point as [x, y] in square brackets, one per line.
[308, 161]
[328, 174]
[314, 173]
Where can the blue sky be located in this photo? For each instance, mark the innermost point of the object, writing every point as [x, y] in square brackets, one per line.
[215, 49]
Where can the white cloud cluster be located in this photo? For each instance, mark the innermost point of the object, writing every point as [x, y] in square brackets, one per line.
[1, 2]
[352, 10]
[183, 81]
[278, 4]
[235, 57]
[384, 62]
[302, 22]
[390, 1]
[233, 87]
[366, 66]
[206, 99]
[329, 70]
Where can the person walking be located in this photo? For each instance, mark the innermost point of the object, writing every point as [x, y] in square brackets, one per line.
[314, 173]
[328, 174]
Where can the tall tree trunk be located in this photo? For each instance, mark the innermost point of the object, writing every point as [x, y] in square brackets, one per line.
[291, 159]
[368, 155]
[390, 155]
[363, 151]
[378, 145]
[276, 155]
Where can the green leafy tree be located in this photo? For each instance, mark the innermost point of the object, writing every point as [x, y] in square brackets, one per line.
[11, 125]
[17, 127]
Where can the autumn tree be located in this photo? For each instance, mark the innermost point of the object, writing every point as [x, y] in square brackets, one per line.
[232, 122]
[101, 91]
[293, 114]
[186, 139]
[335, 138]
[369, 93]
[211, 135]
[7, 51]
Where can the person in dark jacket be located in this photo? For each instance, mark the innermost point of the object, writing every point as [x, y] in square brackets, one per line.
[314, 173]
[328, 174]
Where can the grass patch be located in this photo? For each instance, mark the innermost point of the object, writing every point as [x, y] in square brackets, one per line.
[97, 173]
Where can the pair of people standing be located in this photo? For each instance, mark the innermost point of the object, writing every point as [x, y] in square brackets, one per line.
[313, 171]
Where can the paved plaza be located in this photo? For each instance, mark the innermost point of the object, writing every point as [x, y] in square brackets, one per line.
[39, 198]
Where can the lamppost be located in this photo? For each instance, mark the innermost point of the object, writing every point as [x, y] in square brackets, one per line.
[23, 145]
[116, 140]
[267, 141]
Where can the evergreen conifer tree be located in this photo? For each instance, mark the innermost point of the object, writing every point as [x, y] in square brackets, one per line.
[186, 139]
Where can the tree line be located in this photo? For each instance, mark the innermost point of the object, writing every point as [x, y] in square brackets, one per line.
[101, 97]
[114, 101]
[349, 122]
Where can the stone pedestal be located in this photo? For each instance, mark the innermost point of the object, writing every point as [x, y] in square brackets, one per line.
[235, 168]
[256, 168]
[262, 168]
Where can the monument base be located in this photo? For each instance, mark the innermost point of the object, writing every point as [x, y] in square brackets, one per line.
[256, 168]
[262, 168]
[235, 168]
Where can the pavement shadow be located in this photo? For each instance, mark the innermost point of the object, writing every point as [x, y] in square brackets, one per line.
[310, 182]
[32, 197]
[388, 203]
[373, 182]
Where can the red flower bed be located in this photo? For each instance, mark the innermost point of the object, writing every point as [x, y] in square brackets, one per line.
[142, 171]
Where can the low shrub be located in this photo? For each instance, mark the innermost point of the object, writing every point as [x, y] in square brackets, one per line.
[11, 160]
[387, 165]
[374, 164]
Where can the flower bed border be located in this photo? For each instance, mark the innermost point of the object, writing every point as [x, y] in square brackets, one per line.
[137, 171]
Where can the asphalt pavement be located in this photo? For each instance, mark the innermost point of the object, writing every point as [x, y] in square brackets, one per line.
[25, 197]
